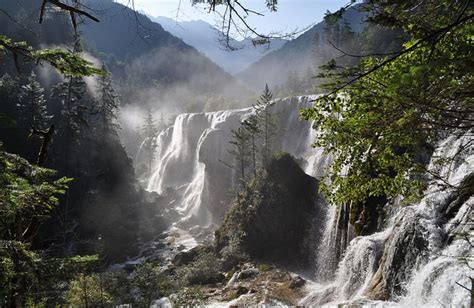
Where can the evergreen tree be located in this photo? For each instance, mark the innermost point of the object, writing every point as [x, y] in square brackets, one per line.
[252, 127]
[240, 151]
[72, 121]
[150, 129]
[266, 121]
[32, 104]
[28, 195]
[107, 105]
[72, 93]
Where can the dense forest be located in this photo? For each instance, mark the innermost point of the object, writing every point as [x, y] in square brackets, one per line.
[336, 168]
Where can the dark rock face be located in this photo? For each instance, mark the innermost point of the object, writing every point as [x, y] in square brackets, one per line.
[274, 215]
[406, 247]
[367, 217]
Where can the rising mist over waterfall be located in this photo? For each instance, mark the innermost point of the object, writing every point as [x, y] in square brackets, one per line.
[142, 165]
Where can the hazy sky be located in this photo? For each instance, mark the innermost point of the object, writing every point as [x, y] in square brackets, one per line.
[291, 14]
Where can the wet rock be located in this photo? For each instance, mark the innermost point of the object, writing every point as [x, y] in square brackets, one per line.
[248, 273]
[404, 250]
[160, 245]
[186, 257]
[297, 282]
[367, 217]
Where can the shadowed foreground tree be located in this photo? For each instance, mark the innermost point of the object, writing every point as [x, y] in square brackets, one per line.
[28, 195]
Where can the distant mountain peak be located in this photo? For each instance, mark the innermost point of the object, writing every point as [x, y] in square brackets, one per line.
[206, 38]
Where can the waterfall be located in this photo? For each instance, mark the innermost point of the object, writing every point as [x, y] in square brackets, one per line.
[416, 260]
[336, 237]
[413, 262]
[190, 155]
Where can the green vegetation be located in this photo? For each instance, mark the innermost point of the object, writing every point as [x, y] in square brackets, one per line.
[381, 118]
[66, 62]
[206, 269]
[252, 142]
[28, 195]
[270, 216]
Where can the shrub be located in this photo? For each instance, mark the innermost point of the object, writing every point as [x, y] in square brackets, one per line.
[205, 269]
[151, 284]
[88, 291]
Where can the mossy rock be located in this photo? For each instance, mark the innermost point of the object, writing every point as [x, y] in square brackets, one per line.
[273, 215]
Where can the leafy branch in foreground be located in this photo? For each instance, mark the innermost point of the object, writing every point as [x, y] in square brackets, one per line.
[66, 62]
[28, 195]
[395, 109]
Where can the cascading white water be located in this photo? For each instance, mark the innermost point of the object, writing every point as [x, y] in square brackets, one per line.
[190, 156]
[437, 281]
[431, 276]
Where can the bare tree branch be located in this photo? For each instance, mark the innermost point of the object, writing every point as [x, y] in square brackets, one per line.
[65, 7]
[429, 38]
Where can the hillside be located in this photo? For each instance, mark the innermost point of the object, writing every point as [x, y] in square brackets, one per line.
[205, 38]
[298, 55]
[141, 55]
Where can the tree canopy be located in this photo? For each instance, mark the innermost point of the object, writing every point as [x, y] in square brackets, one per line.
[382, 118]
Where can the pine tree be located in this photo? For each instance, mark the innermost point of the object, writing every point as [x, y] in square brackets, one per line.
[107, 105]
[33, 104]
[266, 121]
[240, 151]
[252, 127]
[161, 122]
[150, 129]
[72, 93]
[72, 123]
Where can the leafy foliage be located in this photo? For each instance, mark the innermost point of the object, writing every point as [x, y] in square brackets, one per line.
[88, 290]
[27, 197]
[395, 108]
[66, 62]
[204, 270]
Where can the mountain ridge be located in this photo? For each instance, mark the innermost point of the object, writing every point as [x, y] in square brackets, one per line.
[207, 39]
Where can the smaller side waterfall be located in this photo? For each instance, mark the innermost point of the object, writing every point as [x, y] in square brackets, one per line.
[418, 259]
[336, 237]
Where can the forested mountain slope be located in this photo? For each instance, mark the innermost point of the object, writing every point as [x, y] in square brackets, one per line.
[208, 40]
[303, 55]
[136, 50]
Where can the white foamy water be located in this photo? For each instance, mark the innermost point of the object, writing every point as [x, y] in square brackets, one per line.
[433, 276]
[191, 156]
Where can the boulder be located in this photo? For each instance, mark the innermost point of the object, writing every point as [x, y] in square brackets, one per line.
[273, 216]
